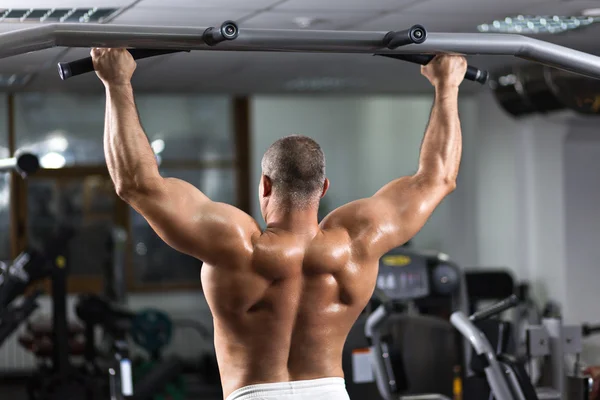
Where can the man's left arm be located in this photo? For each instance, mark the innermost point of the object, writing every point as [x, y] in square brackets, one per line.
[181, 215]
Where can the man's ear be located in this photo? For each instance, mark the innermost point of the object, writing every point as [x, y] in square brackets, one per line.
[325, 187]
[267, 186]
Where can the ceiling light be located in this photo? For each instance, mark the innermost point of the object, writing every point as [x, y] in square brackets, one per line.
[591, 12]
[538, 24]
[52, 15]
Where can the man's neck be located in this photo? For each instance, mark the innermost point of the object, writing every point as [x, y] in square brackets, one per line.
[294, 220]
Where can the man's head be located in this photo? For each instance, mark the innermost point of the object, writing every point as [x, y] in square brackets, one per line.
[293, 175]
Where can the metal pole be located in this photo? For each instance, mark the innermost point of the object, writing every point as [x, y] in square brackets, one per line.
[185, 38]
[494, 371]
[555, 331]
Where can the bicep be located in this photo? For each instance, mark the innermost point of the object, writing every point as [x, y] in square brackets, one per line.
[187, 220]
[406, 205]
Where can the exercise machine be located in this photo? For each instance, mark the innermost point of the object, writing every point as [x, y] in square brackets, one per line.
[393, 350]
[151, 330]
[60, 379]
[506, 333]
[507, 376]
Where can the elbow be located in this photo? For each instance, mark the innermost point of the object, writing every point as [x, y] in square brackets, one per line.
[129, 191]
[449, 184]
[440, 180]
[125, 191]
[450, 187]
[130, 188]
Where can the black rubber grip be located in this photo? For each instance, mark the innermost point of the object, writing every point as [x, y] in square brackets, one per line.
[473, 73]
[588, 330]
[416, 34]
[496, 309]
[70, 69]
[27, 163]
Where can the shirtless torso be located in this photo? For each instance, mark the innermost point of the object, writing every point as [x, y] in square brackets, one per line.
[283, 299]
[283, 313]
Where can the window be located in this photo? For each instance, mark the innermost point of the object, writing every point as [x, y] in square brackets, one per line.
[151, 254]
[63, 130]
[88, 205]
[195, 138]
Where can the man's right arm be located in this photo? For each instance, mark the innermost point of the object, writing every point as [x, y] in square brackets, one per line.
[400, 209]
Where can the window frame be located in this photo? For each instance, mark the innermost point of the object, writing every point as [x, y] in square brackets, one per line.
[240, 111]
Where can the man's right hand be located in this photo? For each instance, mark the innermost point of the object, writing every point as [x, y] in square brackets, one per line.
[113, 66]
[445, 70]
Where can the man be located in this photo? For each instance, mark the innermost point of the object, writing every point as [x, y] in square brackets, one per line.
[283, 299]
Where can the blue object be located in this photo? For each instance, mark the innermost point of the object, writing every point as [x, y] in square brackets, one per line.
[152, 330]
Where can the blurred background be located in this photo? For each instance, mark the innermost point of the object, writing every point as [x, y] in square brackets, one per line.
[528, 191]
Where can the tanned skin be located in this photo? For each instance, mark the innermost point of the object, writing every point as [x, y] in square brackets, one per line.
[284, 298]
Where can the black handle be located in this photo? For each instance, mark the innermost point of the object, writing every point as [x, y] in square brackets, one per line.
[416, 34]
[588, 330]
[67, 70]
[27, 164]
[496, 309]
[473, 73]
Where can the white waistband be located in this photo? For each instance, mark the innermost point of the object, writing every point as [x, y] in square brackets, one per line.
[314, 389]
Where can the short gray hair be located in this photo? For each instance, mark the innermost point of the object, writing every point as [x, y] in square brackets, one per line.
[296, 166]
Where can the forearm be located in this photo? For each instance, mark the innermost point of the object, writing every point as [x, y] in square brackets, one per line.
[442, 145]
[129, 157]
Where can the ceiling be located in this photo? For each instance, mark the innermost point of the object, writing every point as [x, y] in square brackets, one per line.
[231, 72]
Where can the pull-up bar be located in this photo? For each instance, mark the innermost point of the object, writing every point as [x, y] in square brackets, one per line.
[228, 31]
[187, 38]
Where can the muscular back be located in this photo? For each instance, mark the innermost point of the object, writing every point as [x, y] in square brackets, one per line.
[283, 311]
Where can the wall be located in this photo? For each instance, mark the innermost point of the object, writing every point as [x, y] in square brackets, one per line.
[537, 207]
[582, 200]
[369, 141]
[520, 211]
[335, 122]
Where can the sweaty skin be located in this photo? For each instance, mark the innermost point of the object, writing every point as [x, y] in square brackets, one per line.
[283, 299]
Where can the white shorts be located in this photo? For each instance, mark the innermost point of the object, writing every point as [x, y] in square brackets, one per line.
[314, 389]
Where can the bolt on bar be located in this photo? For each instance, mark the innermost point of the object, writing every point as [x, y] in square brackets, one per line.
[182, 38]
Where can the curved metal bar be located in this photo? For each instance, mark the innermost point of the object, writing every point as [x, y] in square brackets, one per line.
[186, 38]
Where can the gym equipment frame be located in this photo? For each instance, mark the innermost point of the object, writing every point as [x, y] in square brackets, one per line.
[415, 40]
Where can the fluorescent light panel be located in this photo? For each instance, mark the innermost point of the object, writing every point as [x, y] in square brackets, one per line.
[52, 15]
[537, 24]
